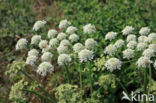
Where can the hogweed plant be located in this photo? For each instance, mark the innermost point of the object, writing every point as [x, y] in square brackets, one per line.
[63, 50]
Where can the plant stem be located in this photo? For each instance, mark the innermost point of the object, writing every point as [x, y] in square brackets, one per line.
[145, 82]
[80, 80]
[68, 75]
[90, 78]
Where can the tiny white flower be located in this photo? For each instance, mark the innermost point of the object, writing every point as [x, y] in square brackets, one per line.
[155, 64]
[61, 36]
[143, 62]
[90, 43]
[127, 30]
[64, 59]
[152, 46]
[128, 53]
[85, 55]
[141, 46]
[65, 42]
[31, 60]
[63, 49]
[45, 67]
[35, 39]
[39, 24]
[110, 35]
[110, 50]
[152, 37]
[119, 43]
[46, 57]
[33, 52]
[73, 38]
[131, 37]
[132, 44]
[148, 53]
[143, 39]
[78, 47]
[43, 44]
[53, 42]
[113, 64]
[144, 31]
[71, 30]
[64, 24]
[89, 28]
[52, 33]
[21, 44]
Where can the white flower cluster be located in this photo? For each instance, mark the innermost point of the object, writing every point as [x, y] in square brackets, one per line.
[110, 50]
[155, 64]
[52, 33]
[144, 31]
[128, 53]
[71, 30]
[131, 37]
[78, 47]
[73, 38]
[110, 35]
[143, 62]
[63, 49]
[90, 43]
[61, 36]
[32, 57]
[65, 42]
[89, 28]
[45, 67]
[119, 43]
[85, 55]
[46, 57]
[33, 52]
[39, 24]
[132, 44]
[44, 46]
[64, 24]
[21, 44]
[53, 42]
[141, 46]
[35, 39]
[148, 53]
[64, 59]
[152, 46]
[143, 39]
[127, 30]
[113, 64]
[152, 37]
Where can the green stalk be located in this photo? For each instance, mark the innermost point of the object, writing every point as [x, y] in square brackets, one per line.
[80, 81]
[41, 88]
[90, 78]
[145, 82]
[68, 75]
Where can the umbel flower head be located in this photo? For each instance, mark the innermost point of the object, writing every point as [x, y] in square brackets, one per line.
[152, 46]
[65, 42]
[73, 38]
[90, 43]
[52, 33]
[53, 42]
[43, 44]
[78, 47]
[31, 60]
[33, 52]
[110, 35]
[110, 50]
[63, 49]
[39, 24]
[152, 37]
[141, 46]
[131, 37]
[21, 44]
[64, 24]
[46, 57]
[35, 39]
[113, 64]
[71, 30]
[155, 64]
[61, 36]
[119, 43]
[128, 53]
[64, 59]
[127, 30]
[143, 39]
[85, 55]
[144, 31]
[45, 67]
[143, 62]
[148, 53]
[89, 28]
[132, 44]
